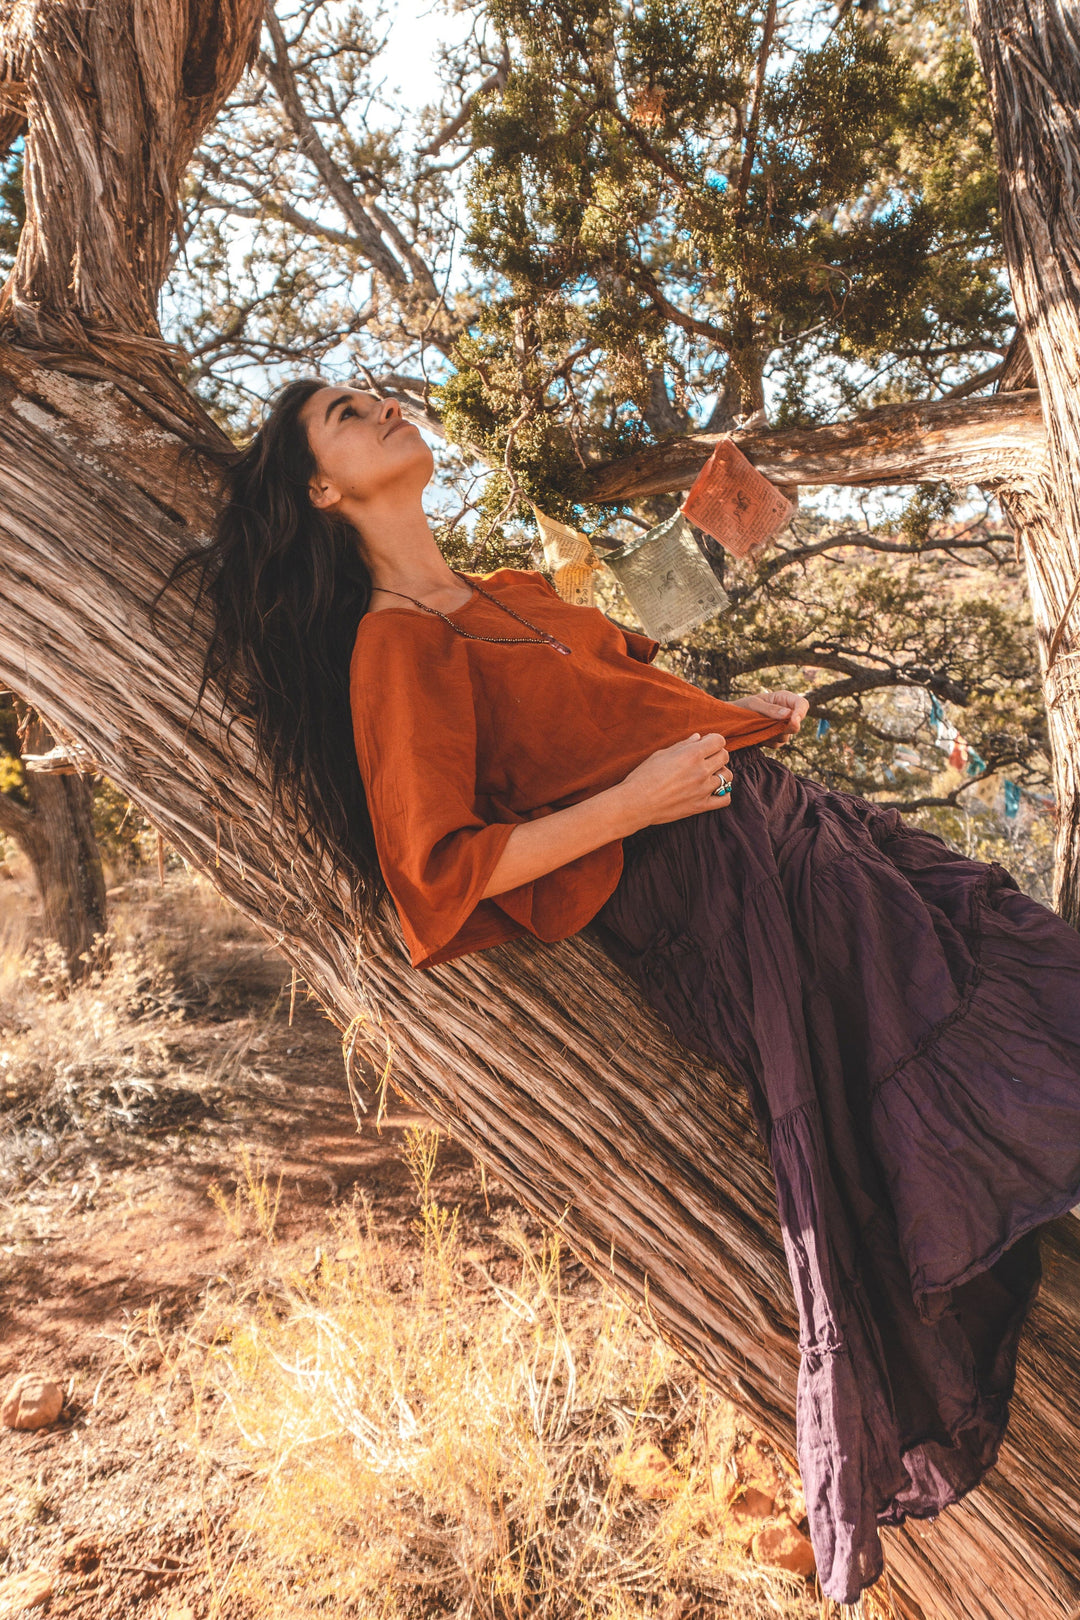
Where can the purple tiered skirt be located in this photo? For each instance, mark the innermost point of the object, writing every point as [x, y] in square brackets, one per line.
[908, 1025]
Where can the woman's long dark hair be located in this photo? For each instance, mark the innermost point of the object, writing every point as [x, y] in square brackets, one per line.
[288, 587]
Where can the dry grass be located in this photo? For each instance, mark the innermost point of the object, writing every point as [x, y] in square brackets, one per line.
[455, 1421]
[438, 1431]
[82, 1063]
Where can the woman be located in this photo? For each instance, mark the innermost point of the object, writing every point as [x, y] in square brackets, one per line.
[907, 1022]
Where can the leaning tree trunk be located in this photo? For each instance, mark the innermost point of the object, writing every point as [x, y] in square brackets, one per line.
[1029, 51]
[542, 1060]
[55, 832]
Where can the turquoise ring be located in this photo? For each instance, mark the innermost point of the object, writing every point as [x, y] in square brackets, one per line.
[722, 791]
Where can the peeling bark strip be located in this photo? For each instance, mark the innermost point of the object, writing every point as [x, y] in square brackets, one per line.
[542, 1060]
[998, 442]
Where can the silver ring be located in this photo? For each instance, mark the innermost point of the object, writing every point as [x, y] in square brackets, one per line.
[722, 791]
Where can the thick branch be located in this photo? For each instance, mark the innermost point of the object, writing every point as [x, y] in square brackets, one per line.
[1029, 52]
[995, 442]
[117, 99]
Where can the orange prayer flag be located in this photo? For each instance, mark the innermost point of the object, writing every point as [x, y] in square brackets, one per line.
[734, 503]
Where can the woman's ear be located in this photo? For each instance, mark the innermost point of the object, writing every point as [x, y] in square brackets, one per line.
[323, 494]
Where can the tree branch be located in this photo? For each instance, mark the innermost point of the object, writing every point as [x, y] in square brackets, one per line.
[994, 442]
[494, 81]
[278, 70]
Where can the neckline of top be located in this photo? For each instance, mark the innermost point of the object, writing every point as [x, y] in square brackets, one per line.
[420, 613]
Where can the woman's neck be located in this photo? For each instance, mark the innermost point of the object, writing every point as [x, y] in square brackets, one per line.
[399, 549]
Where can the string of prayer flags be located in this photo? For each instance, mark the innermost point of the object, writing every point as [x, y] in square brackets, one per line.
[667, 580]
[570, 557]
[962, 757]
[734, 503]
[1012, 799]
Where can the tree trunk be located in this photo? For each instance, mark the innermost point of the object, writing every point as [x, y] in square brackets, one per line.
[65, 857]
[542, 1060]
[56, 834]
[1029, 51]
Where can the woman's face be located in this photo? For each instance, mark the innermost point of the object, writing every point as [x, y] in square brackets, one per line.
[363, 447]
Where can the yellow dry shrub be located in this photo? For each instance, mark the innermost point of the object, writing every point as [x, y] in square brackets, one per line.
[431, 1438]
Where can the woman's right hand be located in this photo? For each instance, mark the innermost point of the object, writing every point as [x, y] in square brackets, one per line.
[677, 781]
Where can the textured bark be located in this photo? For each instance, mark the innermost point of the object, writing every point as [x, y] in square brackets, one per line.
[542, 1060]
[56, 834]
[1029, 51]
[114, 96]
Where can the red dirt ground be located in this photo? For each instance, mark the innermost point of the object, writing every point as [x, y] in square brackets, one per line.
[109, 1502]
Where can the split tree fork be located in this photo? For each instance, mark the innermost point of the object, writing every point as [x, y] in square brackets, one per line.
[101, 493]
[373, 467]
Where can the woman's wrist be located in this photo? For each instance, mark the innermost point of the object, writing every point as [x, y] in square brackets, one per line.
[625, 808]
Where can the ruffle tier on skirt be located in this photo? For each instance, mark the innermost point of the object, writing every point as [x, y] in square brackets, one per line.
[908, 1025]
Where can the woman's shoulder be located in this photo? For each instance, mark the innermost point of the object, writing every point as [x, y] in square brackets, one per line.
[505, 580]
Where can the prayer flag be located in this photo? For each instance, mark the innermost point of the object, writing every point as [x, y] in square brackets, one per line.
[734, 503]
[1012, 799]
[822, 727]
[571, 558]
[946, 736]
[959, 757]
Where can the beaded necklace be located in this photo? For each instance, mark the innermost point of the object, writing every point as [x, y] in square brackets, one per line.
[470, 635]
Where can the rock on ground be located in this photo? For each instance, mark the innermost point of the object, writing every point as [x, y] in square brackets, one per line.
[32, 1402]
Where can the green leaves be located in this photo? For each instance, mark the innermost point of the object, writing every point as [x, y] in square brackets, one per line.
[735, 194]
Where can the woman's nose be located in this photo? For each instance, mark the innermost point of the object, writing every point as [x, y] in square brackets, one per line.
[390, 408]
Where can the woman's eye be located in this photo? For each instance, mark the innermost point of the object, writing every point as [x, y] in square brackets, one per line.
[348, 411]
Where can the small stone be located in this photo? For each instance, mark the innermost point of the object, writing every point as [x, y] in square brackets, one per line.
[20, 1593]
[757, 1467]
[752, 1504]
[32, 1402]
[782, 1545]
[647, 1472]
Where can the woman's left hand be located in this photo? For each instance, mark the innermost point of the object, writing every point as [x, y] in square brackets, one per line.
[787, 706]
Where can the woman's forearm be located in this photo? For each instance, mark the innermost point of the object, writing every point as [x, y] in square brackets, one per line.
[536, 848]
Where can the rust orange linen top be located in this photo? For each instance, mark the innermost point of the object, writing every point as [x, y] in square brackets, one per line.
[460, 741]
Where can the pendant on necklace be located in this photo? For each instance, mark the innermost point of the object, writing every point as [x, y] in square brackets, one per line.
[559, 646]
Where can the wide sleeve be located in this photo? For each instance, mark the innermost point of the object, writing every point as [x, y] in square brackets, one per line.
[414, 724]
